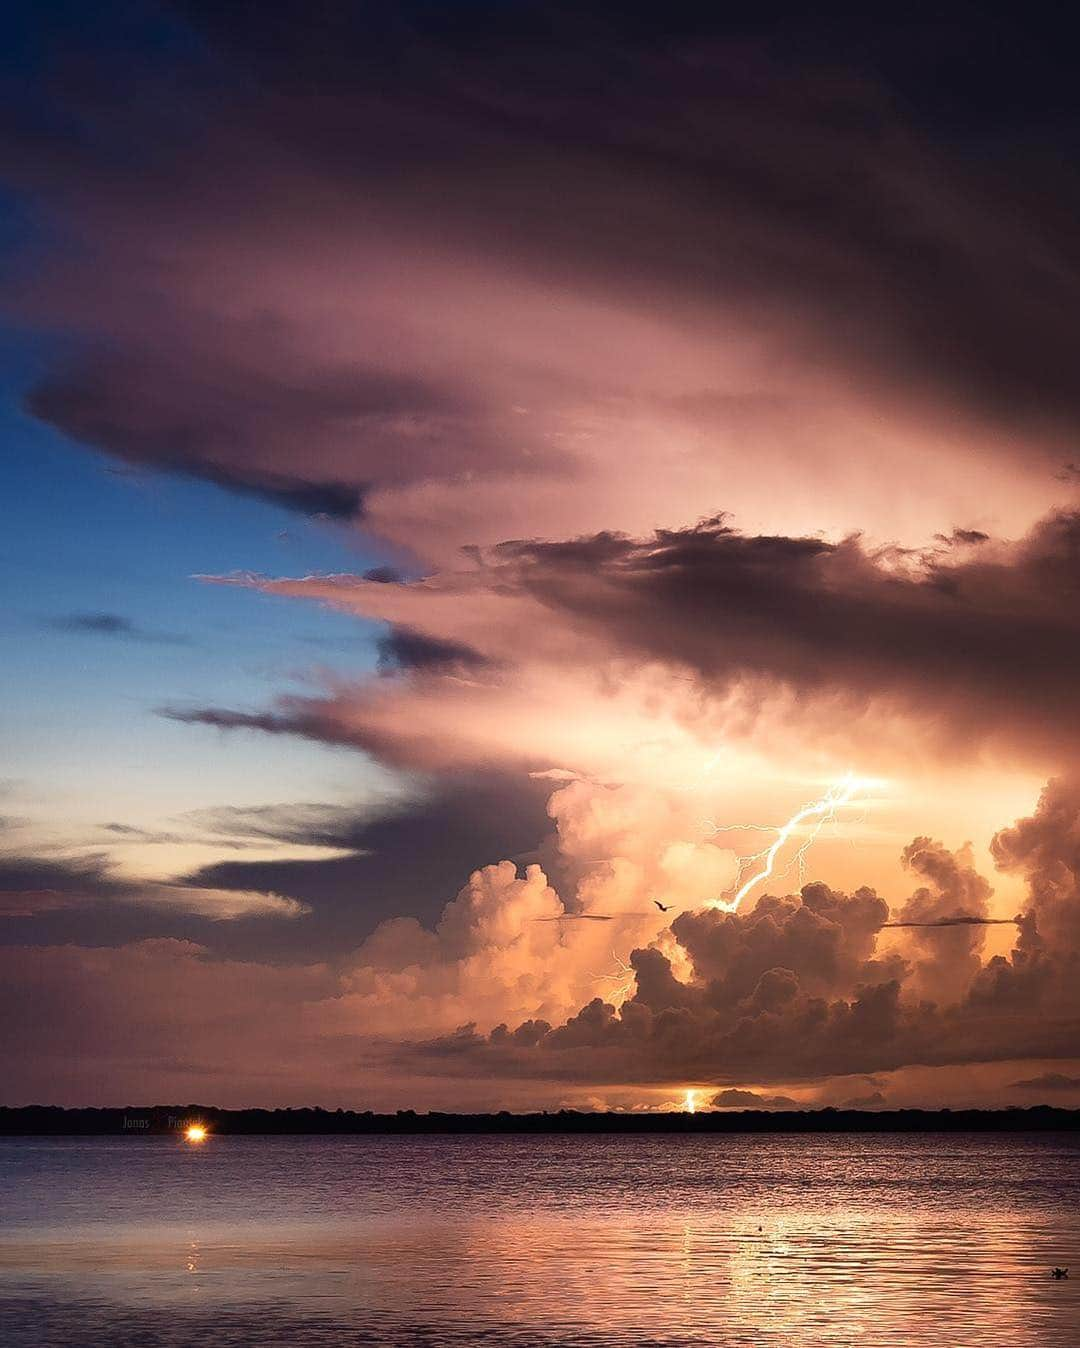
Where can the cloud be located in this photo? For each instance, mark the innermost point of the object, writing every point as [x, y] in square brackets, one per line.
[732, 1098]
[29, 884]
[403, 649]
[33, 886]
[947, 959]
[484, 315]
[798, 988]
[345, 867]
[155, 1018]
[919, 630]
[525, 343]
[400, 855]
[1048, 1081]
[1045, 849]
[563, 653]
[181, 419]
[114, 625]
[875, 1100]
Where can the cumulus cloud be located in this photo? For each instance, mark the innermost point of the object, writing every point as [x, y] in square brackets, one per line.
[948, 959]
[506, 988]
[798, 987]
[509, 946]
[1045, 849]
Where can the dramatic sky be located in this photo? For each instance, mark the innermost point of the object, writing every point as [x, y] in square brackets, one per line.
[472, 468]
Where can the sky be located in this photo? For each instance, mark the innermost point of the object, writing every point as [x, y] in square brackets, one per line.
[472, 473]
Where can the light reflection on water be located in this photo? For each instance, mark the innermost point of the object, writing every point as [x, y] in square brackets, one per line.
[871, 1240]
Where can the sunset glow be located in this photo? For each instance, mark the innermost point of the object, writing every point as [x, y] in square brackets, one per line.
[543, 565]
[597, 556]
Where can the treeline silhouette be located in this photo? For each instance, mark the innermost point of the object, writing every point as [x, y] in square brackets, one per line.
[132, 1121]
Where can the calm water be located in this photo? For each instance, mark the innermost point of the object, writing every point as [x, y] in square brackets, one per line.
[943, 1240]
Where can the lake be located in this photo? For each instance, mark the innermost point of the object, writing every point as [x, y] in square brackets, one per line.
[885, 1240]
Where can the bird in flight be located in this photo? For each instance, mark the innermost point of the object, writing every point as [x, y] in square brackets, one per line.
[664, 907]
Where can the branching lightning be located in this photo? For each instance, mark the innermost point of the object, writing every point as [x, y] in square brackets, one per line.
[622, 982]
[821, 812]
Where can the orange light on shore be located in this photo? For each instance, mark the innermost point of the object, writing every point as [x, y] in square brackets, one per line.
[196, 1133]
[690, 1104]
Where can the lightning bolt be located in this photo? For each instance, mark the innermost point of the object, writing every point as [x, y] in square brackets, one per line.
[623, 981]
[822, 811]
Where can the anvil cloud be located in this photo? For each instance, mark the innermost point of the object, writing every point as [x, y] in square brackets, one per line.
[526, 272]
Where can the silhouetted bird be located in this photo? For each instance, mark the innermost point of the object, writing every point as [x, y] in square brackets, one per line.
[664, 907]
[1059, 1273]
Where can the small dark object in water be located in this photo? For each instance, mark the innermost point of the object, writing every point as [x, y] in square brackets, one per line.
[1059, 1273]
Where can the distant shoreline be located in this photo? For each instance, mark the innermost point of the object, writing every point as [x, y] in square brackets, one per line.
[158, 1120]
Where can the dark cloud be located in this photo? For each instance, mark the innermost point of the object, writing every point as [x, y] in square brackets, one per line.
[875, 1100]
[902, 637]
[790, 990]
[44, 899]
[404, 649]
[794, 989]
[961, 921]
[793, 173]
[963, 537]
[1048, 1081]
[307, 717]
[917, 630]
[330, 500]
[102, 624]
[221, 421]
[409, 856]
[30, 885]
[734, 1098]
[333, 255]
[324, 720]
[89, 407]
[733, 191]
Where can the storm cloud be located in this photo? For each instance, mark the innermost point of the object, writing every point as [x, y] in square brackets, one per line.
[440, 302]
[697, 390]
